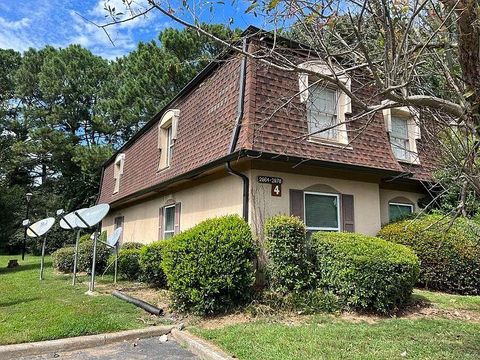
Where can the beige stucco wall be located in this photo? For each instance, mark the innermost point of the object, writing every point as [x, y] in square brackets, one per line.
[366, 198]
[387, 195]
[216, 198]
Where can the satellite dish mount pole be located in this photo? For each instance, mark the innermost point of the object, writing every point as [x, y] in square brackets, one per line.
[91, 288]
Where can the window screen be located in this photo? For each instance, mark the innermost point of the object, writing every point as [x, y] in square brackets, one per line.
[322, 212]
[397, 210]
[169, 219]
[322, 112]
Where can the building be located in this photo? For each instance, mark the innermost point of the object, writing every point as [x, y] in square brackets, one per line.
[242, 138]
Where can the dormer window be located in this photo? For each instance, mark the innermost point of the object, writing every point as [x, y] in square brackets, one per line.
[167, 134]
[326, 104]
[322, 112]
[404, 133]
[118, 171]
[399, 138]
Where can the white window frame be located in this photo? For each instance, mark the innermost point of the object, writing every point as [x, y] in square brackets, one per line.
[323, 135]
[407, 140]
[413, 129]
[165, 231]
[169, 147]
[343, 102]
[118, 171]
[411, 206]
[337, 229]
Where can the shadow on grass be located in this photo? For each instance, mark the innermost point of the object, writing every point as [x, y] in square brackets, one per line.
[4, 304]
[5, 270]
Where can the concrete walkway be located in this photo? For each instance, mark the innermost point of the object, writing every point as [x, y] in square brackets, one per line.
[149, 348]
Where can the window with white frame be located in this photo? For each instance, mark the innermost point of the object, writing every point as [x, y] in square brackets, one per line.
[118, 171]
[322, 112]
[398, 210]
[399, 138]
[167, 135]
[322, 211]
[168, 221]
[169, 147]
[327, 105]
[401, 124]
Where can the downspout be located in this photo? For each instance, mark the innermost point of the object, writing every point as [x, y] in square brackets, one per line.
[236, 133]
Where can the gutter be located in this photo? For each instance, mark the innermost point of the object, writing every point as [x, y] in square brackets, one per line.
[236, 134]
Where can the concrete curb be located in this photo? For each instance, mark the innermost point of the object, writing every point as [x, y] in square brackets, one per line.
[199, 347]
[80, 342]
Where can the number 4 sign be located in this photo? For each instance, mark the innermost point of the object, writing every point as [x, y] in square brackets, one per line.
[276, 189]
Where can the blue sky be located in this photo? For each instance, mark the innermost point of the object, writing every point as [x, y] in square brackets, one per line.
[36, 23]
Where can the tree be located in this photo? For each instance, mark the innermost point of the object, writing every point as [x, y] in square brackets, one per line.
[404, 49]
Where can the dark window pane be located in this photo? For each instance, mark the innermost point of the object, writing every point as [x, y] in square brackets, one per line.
[321, 211]
[169, 218]
[396, 211]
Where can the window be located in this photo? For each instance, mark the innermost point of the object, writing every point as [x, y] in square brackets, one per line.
[168, 221]
[322, 211]
[169, 147]
[322, 112]
[167, 135]
[118, 171]
[398, 210]
[404, 131]
[327, 106]
[399, 138]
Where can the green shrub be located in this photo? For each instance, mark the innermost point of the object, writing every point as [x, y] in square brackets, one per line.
[150, 264]
[209, 267]
[85, 254]
[366, 273]
[62, 259]
[131, 245]
[289, 258]
[128, 263]
[449, 253]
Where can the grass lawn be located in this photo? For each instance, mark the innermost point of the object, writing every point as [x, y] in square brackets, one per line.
[31, 310]
[414, 336]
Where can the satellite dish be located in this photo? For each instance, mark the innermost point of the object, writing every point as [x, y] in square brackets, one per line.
[70, 218]
[40, 227]
[91, 216]
[113, 239]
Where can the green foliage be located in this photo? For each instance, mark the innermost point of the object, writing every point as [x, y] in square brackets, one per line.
[85, 254]
[131, 245]
[150, 264]
[209, 267]
[366, 273]
[289, 267]
[63, 258]
[128, 263]
[449, 253]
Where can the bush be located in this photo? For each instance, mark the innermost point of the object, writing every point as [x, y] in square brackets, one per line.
[62, 259]
[128, 263]
[85, 254]
[131, 245]
[150, 264]
[449, 253]
[209, 267]
[289, 266]
[366, 273]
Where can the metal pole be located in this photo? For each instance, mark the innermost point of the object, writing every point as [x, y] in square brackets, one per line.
[43, 257]
[92, 279]
[116, 264]
[75, 257]
[25, 232]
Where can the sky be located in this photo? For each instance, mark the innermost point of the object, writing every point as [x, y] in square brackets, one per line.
[36, 23]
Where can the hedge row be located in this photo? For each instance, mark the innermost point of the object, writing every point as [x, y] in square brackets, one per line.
[449, 252]
[362, 272]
